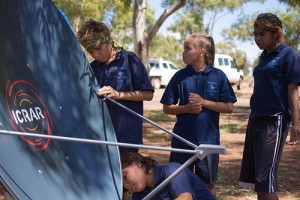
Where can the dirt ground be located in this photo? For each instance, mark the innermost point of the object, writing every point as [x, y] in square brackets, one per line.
[233, 127]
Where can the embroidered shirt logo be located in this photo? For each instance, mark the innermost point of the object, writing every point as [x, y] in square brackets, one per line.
[212, 88]
[121, 74]
[165, 196]
[273, 62]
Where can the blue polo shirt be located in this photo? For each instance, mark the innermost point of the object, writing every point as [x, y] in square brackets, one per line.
[126, 73]
[211, 84]
[186, 181]
[271, 78]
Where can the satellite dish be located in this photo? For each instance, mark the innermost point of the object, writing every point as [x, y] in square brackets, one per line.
[47, 87]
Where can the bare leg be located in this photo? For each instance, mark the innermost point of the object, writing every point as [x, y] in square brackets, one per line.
[267, 196]
[212, 189]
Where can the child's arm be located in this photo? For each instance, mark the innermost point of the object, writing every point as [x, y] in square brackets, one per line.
[185, 196]
[144, 95]
[293, 98]
[219, 107]
[177, 110]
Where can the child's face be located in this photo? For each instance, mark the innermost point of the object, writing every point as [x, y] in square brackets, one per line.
[266, 40]
[102, 53]
[134, 178]
[190, 54]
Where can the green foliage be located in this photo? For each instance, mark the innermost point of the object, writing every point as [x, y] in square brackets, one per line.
[159, 116]
[121, 24]
[225, 47]
[80, 11]
[117, 14]
[242, 30]
[150, 18]
[241, 60]
[291, 27]
[160, 47]
[292, 3]
[190, 19]
[186, 24]
[126, 3]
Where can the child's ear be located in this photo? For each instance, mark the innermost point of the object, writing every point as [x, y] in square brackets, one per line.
[276, 34]
[139, 164]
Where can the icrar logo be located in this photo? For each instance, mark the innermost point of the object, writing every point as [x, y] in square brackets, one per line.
[28, 112]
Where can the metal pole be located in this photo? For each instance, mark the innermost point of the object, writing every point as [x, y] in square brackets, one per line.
[173, 175]
[201, 151]
[82, 140]
[151, 122]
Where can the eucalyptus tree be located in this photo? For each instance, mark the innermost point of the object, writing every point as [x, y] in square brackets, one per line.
[291, 27]
[79, 11]
[167, 47]
[242, 29]
[143, 35]
[200, 16]
[132, 20]
[292, 3]
[141, 31]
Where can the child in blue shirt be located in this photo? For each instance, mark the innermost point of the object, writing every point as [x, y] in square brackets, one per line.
[142, 174]
[197, 95]
[122, 76]
[274, 105]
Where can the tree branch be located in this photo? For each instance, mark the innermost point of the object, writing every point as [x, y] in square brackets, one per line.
[163, 17]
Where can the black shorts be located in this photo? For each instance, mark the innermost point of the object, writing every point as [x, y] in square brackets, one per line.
[265, 138]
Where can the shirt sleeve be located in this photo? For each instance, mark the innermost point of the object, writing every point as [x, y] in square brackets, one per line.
[140, 77]
[226, 92]
[292, 64]
[176, 186]
[171, 94]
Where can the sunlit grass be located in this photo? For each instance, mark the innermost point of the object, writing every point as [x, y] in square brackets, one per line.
[159, 116]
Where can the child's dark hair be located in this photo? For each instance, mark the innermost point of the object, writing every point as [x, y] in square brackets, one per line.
[129, 158]
[269, 22]
[207, 43]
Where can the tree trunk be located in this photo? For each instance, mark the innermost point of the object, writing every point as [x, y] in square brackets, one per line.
[141, 38]
[139, 31]
[75, 23]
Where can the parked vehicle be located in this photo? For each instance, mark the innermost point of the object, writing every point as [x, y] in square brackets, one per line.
[227, 65]
[161, 72]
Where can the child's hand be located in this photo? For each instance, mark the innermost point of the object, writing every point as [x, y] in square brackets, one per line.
[294, 136]
[195, 102]
[194, 108]
[109, 91]
[195, 99]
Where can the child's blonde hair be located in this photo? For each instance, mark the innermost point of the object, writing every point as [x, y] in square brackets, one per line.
[93, 34]
[207, 43]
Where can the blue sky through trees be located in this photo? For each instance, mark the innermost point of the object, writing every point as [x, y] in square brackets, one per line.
[226, 21]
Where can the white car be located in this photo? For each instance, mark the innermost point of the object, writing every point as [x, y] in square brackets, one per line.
[228, 66]
[161, 72]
